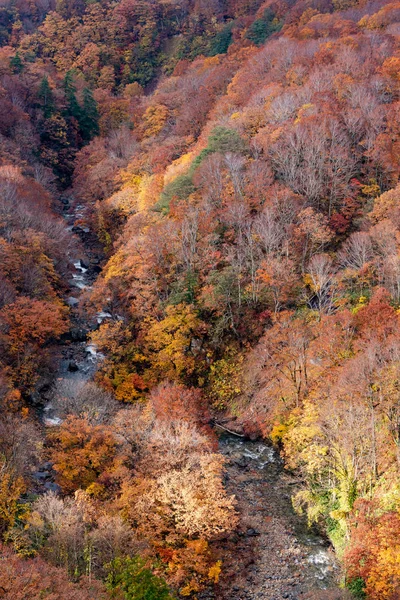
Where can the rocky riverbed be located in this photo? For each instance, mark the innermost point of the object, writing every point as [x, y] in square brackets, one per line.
[273, 555]
[77, 357]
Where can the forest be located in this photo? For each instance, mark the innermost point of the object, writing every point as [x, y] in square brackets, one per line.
[199, 232]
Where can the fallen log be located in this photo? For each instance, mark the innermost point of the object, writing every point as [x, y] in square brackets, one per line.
[241, 435]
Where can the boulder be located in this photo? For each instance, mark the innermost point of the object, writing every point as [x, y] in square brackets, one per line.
[72, 301]
[52, 487]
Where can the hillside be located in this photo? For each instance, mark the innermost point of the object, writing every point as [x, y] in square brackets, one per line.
[199, 227]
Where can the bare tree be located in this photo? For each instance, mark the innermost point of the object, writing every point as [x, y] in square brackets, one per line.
[320, 272]
[315, 161]
[357, 251]
[269, 230]
[83, 399]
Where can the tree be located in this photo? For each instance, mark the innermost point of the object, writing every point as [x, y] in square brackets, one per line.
[89, 119]
[36, 579]
[195, 499]
[27, 325]
[16, 63]
[12, 487]
[73, 108]
[46, 97]
[263, 27]
[225, 140]
[374, 552]
[136, 580]
[172, 402]
[83, 399]
[315, 160]
[320, 278]
[155, 118]
[278, 281]
[357, 251]
[311, 234]
[221, 42]
[81, 453]
[171, 343]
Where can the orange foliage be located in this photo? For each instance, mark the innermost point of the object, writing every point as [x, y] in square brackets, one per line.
[374, 552]
[82, 453]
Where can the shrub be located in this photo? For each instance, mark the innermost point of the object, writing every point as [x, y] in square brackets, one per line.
[136, 581]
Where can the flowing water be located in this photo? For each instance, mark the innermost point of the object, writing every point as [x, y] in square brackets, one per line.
[275, 555]
[79, 357]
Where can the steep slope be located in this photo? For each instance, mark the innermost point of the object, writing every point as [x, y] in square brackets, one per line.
[239, 165]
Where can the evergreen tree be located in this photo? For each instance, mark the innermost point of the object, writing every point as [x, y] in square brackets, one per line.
[16, 63]
[73, 108]
[46, 97]
[262, 28]
[89, 121]
[222, 41]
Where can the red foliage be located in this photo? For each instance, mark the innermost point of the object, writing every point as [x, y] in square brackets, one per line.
[35, 579]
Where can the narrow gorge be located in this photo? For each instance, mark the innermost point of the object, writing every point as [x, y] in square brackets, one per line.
[199, 299]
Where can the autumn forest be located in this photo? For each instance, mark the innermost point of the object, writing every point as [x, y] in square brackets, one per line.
[199, 299]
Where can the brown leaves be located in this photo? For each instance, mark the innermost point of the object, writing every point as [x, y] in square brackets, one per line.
[36, 579]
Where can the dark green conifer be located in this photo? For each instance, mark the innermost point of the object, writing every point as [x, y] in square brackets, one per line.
[89, 121]
[46, 98]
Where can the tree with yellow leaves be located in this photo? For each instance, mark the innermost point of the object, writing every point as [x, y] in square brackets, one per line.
[172, 343]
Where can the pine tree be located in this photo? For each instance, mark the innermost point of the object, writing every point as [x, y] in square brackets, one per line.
[73, 108]
[46, 96]
[16, 63]
[89, 122]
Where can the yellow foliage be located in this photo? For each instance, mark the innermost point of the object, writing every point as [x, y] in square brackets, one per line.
[372, 189]
[124, 201]
[143, 201]
[115, 266]
[279, 430]
[177, 167]
[154, 119]
[11, 489]
[189, 588]
[169, 342]
[225, 381]
[199, 546]
[215, 571]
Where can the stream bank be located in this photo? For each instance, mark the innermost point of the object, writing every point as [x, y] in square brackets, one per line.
[77, 359]
[273, 555]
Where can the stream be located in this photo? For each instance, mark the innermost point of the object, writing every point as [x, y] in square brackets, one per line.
[273, 555]
[79, 358]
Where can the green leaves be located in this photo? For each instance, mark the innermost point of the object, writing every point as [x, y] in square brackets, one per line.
[136, 581]
[262, 28]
